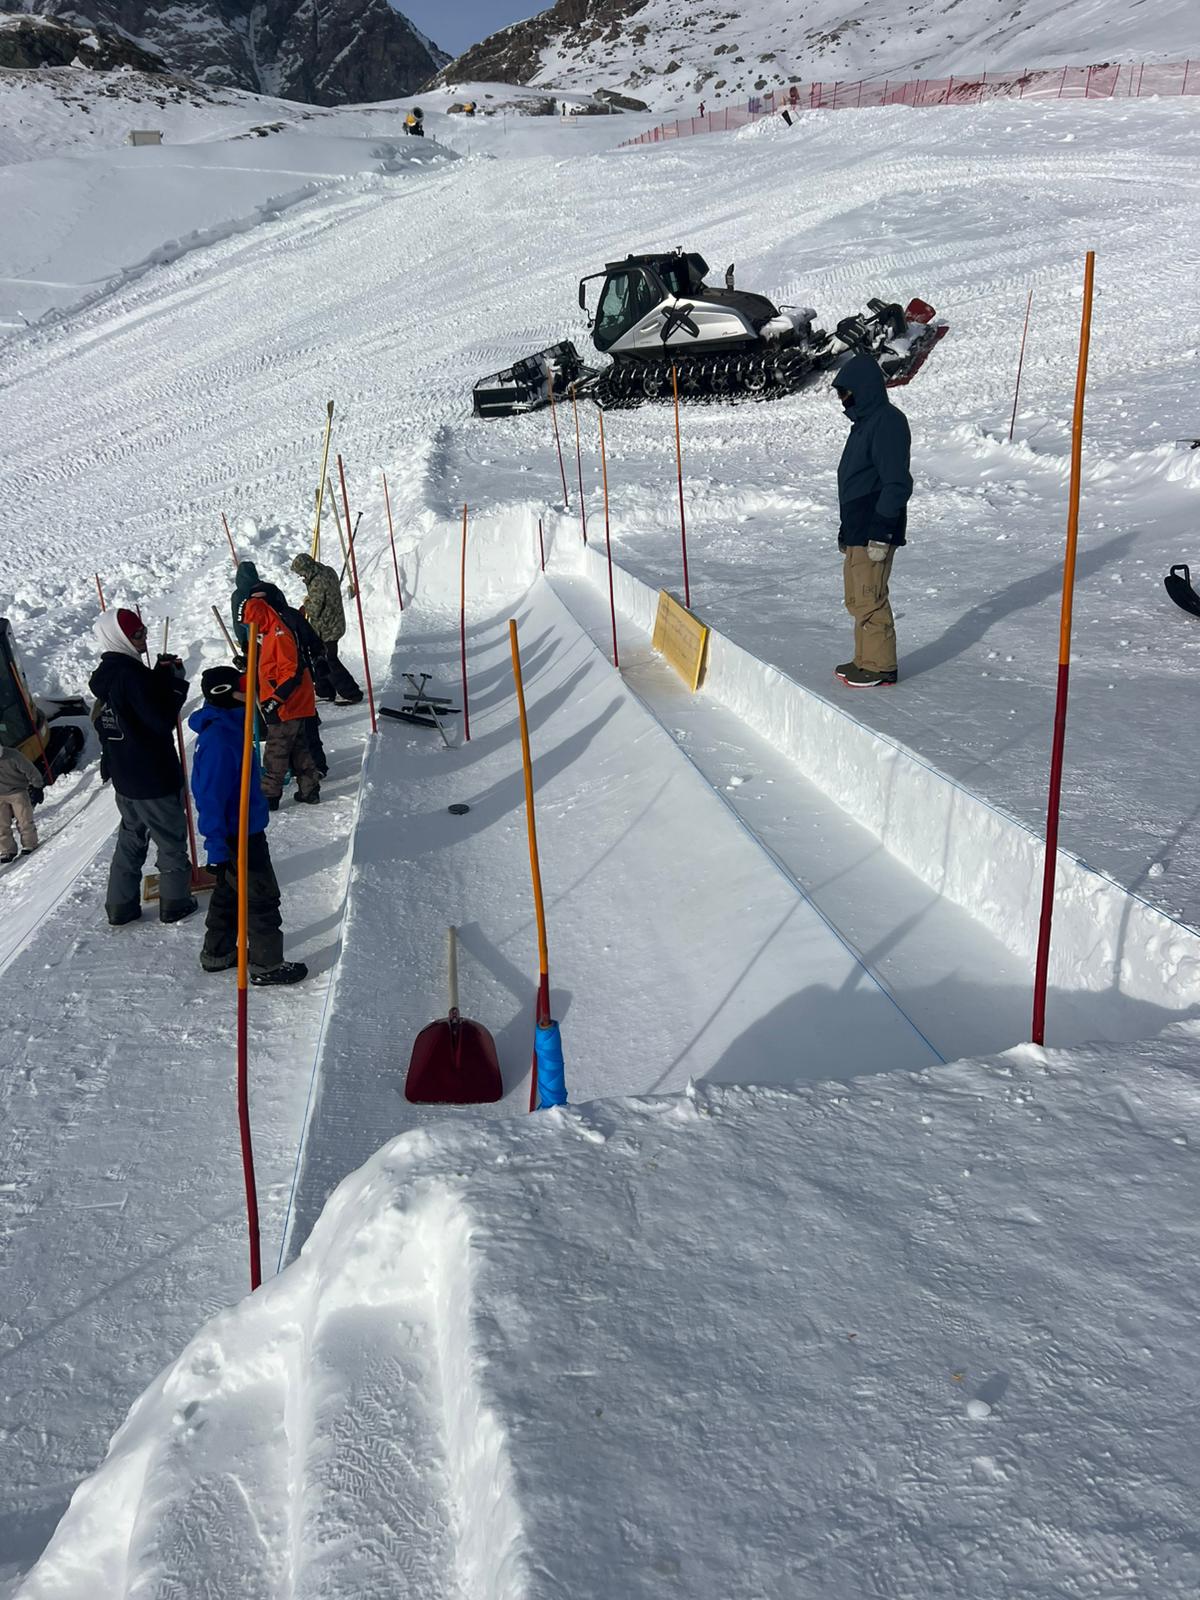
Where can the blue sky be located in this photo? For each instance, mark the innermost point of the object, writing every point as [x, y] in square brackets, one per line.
[455, 24]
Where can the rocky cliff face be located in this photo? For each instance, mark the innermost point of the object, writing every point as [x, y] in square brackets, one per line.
[519, 54]
[329, 52]
[27, 43]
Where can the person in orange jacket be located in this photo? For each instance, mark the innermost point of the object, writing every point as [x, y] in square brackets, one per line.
[285, 697]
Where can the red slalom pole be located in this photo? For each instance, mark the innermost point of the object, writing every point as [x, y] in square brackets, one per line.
[362, 621]
[229, 536]
[579, 466]
[187, 810]
[562, 471]
[387, 500]
[612, 604]
[541, 545]
[1020, 364]
[462, 632]
[100, 592]
[243, 909]
[687, 588]
[1042, 968]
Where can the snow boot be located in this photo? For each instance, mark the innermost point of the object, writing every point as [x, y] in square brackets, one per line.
[118, 916]
[273, 803]
[285, 972]
[862, 678]
[212, 963]
[846, 666]
[4, 860]
[313, 799]
[176, 910]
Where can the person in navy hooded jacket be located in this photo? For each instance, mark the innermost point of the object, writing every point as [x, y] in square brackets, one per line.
[217, 786]
[874, 485]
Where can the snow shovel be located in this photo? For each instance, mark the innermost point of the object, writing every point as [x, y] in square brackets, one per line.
[453, 1060]
[1178, 584]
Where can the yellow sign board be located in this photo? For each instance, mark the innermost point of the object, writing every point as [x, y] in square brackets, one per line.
[682, 638]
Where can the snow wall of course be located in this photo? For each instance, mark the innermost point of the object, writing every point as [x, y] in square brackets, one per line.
[963, 847]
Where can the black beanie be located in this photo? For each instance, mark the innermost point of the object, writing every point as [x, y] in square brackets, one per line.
[219, 685]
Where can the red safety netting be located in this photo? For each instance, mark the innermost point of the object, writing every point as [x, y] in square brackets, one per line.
[1129, 80]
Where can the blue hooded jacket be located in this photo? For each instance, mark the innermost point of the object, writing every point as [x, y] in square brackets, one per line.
[874, 483]
[217, 780]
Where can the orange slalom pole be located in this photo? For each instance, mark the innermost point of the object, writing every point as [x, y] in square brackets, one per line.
[462, 632]
[387, 500]
[100, 592]
[229, 536]
[1020, 364]
[1042, 966]
[543, 994]
[687, 588]
[612, 604]
[579, 466]
[562, 471]
[362, 626]
[243, 964]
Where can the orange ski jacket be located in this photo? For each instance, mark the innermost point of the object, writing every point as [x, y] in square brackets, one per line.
[282, 677]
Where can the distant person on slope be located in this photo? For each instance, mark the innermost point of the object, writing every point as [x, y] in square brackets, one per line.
[874, 485]
[326, 616]
[217, 785]
[136, 710]
[20, 790]
[286, 700]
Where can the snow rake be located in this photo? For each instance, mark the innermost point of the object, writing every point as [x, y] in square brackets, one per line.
[454, 1059]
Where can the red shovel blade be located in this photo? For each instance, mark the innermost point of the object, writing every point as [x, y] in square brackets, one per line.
[454, 1064]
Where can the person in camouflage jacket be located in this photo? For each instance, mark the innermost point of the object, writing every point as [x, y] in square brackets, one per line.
[326, 616]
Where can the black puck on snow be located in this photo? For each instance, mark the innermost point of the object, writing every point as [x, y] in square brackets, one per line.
[458, 809]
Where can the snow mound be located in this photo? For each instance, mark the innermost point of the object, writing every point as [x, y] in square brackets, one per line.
[728, 1344]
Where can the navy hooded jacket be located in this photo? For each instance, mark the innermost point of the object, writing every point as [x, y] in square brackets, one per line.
[874, 483]
[217, 780]
[246, 583]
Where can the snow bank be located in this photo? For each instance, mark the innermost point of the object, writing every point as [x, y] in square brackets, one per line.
[730, 1344]
[962, 846]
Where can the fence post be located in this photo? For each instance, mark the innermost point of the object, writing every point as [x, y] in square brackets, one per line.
[861, 81]
[1087, 84]
[1187, 67]
[1062, 83]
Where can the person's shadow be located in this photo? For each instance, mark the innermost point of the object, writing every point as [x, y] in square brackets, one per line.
[971, 627]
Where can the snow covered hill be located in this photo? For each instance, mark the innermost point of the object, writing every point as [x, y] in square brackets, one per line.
[866, 1338]
[953, 1302]
[671, 56]
[336, 52]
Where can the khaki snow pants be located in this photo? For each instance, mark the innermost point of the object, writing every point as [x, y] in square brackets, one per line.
[867, 602]
[19, 809]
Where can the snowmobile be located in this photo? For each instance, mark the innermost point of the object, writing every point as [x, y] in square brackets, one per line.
[655, 313]
[24, 726]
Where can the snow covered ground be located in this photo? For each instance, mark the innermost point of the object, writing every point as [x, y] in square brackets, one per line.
[776, 938]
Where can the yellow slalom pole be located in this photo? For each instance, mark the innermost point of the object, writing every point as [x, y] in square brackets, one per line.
[543, 998]
[316, 538]
[1042, 963]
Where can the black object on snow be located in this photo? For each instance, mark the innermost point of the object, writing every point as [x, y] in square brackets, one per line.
[1178, 584]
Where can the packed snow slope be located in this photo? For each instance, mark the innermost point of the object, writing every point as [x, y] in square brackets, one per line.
[920, 1335]
[199, 386]
[670, 56]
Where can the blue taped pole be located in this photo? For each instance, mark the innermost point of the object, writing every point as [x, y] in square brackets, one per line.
[551, 1074]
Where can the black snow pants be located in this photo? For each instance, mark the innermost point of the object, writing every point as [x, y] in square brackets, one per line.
[264, 923]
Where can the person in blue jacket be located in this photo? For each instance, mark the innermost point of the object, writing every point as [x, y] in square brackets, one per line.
[217, 786]
[874, 485]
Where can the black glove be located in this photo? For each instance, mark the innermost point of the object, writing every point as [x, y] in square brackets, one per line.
[36, 794]
[270, 710]
[240, 663]
[172, 664]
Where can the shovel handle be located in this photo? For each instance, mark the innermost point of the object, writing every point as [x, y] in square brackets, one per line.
[452, 967]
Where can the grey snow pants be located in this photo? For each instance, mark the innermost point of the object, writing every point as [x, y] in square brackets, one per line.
[162, 820]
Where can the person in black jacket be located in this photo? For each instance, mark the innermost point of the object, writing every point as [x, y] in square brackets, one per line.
[874, 486]
[137, 708]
